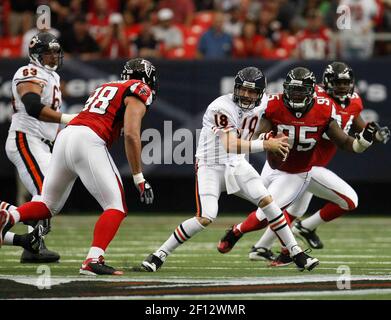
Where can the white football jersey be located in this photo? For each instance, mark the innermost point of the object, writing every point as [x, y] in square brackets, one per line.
[51, 96]
[224, 114]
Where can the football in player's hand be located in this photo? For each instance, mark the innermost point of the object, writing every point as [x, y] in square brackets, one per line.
[276, 160]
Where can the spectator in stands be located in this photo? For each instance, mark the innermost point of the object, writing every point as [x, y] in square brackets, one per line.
[249, 44]
[137, 10]
[166, 32]
[314, 42]
[115, 44]
[233, 23]
[77, 42]
[98, 20]
[145, 45]
[215, 43]
[66, 14]
[358, 40]
[183, 10]
[21, 16]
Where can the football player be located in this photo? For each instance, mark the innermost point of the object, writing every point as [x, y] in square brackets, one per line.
[304, 118]
[81, 151]
[338, 85]
[229, 124]
[35, 123]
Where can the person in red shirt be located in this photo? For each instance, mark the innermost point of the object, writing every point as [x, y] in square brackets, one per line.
[314, 42]
[81, 151]
[304, 118]
[249, 44]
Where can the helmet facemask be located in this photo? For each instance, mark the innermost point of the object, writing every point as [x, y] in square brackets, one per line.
[49, 56]
[298, 96]
[247, 96]
[341, 89]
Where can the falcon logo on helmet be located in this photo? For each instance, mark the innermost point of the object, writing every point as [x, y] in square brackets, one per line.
[299, 90]
[250, 84]
[338, 81]
[143, 70]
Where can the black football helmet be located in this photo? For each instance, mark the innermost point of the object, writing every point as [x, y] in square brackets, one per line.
[143, 70]
[338, 81]
[44, 43]
[251, 78]
[299, 89]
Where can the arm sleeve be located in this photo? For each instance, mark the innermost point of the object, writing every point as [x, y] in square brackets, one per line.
[32, 103]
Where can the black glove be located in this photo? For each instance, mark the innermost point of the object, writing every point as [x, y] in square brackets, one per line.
[382, 134]
[369, 132]
[146, 192]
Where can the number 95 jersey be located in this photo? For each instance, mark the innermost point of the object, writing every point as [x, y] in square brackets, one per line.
[304, 131]
[105, 108]
[49, 81]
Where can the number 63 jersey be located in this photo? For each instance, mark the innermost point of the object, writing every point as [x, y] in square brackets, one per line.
[304, 132]
[49, 81]
[105, 108]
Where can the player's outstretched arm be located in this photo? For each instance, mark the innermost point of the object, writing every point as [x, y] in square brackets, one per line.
[134, 113]
[30, 93]
[359, 144]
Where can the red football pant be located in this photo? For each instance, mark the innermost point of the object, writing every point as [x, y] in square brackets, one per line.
[331, 211]
[34, 210]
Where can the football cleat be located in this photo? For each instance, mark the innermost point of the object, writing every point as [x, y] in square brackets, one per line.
[31, 242]
[5, 224]
[44, 255]
[229, 240]
[94, 267]
[304, 262]
[308, 235]
[261, 253]
[152, 263]
[283, 259]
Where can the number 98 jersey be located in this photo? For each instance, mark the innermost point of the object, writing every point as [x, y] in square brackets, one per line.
[304, 131]
[49, 81]
[105, 108]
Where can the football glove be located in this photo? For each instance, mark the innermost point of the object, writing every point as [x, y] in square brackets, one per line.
[382, 134]
[146, 192]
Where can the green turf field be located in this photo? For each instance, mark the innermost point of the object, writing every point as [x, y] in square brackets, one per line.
[197, 270]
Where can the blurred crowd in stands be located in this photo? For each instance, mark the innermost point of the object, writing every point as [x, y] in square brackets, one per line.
[197, 29]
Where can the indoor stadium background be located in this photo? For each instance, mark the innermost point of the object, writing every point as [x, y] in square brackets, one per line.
[197, 47]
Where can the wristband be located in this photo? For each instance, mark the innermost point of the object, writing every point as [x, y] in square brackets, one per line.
[138, 178]
[66, 118]
[256, 146]
[359, 147]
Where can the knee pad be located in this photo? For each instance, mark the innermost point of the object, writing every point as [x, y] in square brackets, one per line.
[209, 207]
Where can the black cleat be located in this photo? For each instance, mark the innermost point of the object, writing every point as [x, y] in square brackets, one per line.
[261, 253]
[152, 263]
[304, 262]
[283, 259]
[32, 241]
[308, 235]
[229, 240]
[94, 267]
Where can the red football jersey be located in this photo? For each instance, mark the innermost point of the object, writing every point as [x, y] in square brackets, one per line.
[345, 115]
[105, 108]
[304, 131]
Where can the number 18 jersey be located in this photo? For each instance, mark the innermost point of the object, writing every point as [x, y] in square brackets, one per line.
[105, 108]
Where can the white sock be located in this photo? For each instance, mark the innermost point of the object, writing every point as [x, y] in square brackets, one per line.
[9, 239]
[182, 233]
[313, 221]
[95, 253]
[15, 215]
[6, 206]
[279, 225]
[267, 239]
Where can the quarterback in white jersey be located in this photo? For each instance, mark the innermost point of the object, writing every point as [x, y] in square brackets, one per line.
[35, 123]
[229, 124]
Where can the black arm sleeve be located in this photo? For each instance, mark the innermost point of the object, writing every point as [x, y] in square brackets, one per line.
[32, 103]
